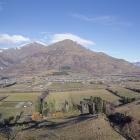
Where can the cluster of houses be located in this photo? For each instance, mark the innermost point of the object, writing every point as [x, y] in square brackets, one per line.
[67, 78]
[86, 78]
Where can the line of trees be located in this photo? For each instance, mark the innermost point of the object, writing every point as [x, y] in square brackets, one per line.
[123, 100]
[101, 106]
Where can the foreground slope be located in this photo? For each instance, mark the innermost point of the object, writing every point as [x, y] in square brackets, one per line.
[79, 129]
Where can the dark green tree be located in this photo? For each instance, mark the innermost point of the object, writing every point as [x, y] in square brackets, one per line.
[98, 104]
[38, 106]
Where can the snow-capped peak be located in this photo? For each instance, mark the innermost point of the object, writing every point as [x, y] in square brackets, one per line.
[34, 42]
[39, 42]
[2, 49]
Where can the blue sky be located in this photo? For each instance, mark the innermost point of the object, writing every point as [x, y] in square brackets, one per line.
[110, 26]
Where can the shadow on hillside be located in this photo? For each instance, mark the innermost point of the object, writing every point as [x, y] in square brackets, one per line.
[48, 124]
[56, 125]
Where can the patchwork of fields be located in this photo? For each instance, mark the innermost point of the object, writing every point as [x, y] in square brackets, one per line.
[9, 106]
[16, 102]
[13, 103]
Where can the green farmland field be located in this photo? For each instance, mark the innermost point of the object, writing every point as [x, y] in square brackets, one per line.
[125, 92]
[74, 86]
[8, 105]
[77, 96]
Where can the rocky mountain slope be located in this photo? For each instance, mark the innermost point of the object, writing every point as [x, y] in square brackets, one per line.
[36, 58]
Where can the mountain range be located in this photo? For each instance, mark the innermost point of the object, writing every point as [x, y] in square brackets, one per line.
[137, 64]
[35, 58]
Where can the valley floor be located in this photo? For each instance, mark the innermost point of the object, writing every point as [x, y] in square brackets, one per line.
[67, 126]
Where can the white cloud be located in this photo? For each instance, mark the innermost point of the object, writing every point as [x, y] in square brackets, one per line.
[93, 19]
[60, 37]
[105, 20]
[12, 39]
